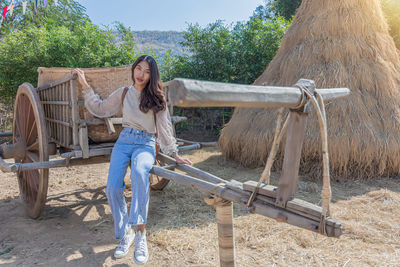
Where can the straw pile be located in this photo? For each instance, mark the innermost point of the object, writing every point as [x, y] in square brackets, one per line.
[342, 43]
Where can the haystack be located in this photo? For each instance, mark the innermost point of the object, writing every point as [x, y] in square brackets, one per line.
[341, 43]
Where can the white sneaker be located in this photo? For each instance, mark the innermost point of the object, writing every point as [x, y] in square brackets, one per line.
[124, 245]
[141, 254]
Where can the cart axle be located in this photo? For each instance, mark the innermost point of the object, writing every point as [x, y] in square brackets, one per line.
[18, 150]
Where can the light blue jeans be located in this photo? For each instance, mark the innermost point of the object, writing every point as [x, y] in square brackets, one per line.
[138, 148]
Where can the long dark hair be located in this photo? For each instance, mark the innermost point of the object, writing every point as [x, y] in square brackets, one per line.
[152, 96]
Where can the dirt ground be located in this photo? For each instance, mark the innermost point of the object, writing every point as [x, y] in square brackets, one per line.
[76, 227]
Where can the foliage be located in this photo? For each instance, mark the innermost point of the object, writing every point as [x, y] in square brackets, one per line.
[391, 8]
[23, 51]
[284, 8]
[224, 53]
[68, 13]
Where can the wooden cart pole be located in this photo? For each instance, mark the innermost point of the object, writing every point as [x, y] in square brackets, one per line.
[226, 242]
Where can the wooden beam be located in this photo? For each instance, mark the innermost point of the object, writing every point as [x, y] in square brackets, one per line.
[333, 228]
[194, 93]
[6, 134]
[58, 82]
[268, 193]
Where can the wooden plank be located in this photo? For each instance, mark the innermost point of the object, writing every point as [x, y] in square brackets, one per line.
[265, 189]
[333, 229]
[291, 161]
[295, 205]
[195, 93]
[53, 84]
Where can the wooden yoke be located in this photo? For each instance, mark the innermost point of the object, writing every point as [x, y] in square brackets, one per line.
[294, 142]
[275, 202]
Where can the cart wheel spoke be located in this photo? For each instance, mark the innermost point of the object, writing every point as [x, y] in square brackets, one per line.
[32, 156]
[32, 134]
[19, 132]
[34, 146]
[28, 124]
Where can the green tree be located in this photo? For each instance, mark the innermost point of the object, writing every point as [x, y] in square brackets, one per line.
[284, 8]
[23, 51]
[68, 13]
[228, 53]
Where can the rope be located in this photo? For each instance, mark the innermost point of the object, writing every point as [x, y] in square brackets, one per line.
[326, 186]
[275, 145]
[326, 193]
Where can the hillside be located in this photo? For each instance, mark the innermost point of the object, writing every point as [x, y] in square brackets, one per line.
[159, 41]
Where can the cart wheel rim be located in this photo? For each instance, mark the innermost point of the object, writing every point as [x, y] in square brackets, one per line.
[29, 128]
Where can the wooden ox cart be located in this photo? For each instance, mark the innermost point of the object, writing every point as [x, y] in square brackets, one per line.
[51, 120]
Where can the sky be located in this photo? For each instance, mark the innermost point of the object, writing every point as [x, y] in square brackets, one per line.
[164, 15]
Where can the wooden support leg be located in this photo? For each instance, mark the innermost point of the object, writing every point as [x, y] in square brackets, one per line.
[226, 242]
[291, 161]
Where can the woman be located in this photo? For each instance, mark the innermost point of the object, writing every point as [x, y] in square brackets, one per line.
[136, 144]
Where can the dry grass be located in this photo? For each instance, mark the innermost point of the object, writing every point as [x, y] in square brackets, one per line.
[76, 228]
[342, 43]
[368, 212]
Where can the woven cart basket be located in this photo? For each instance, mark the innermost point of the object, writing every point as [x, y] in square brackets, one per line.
[104, 81]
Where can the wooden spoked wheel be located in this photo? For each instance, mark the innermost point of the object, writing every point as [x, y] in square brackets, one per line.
[30, 130]
[157, 182]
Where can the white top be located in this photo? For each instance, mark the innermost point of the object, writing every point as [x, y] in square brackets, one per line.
[132, 116]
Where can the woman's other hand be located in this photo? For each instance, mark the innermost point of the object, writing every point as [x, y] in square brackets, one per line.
[181, 160]
[81, 78]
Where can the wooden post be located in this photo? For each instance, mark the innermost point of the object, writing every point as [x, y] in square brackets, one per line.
[84, 141]
[74, 113]
[291, 161]
[226, 242]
